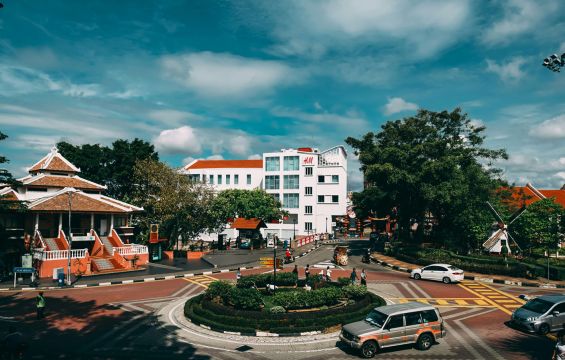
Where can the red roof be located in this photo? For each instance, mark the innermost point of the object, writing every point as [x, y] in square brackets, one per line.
[248, 224]
[527, 195]
[54, 161]
[225, 164]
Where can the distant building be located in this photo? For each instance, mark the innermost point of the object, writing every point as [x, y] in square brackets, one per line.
[311, 185]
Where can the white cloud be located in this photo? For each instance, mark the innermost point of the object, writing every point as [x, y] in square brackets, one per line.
[255, 157]
[83, 90]
[171, 116]
[128, 94]
[182, 140]
[239, 145]
[550, 129]
[397, 104]
[476, 123]
[352, 120]
[225, 75]
[509, 71]
[215, 157]
[187, 160]
[520, 16]
[560, 175]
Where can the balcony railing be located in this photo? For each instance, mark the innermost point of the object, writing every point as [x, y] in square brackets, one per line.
[132, 250]
[60, 254]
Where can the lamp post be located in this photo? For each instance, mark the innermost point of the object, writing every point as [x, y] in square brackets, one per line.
[294, 228]
[70, 239]
[326, 225]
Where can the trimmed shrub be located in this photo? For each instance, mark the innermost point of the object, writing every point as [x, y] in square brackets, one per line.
[354, 291]
[277, 310]
[307, 299]
[343, 281]
[261, 280]
[248, 299]
[221, 289]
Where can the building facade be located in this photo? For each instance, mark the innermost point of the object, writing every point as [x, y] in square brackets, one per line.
[310, 184]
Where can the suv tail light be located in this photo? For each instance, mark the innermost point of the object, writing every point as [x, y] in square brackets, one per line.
[458, 273]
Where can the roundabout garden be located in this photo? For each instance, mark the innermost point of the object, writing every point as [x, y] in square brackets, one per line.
[293, 307]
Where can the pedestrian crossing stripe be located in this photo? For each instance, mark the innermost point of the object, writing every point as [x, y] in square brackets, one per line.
[202, 280]
[447, 302]
[499, 299]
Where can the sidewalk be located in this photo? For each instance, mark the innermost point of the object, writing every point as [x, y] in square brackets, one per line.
[496, 279]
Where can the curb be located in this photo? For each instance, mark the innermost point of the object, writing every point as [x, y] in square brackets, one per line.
[256, 333]
[481, 278]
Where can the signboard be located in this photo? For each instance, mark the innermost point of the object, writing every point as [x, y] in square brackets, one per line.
[154, 233]
[27, 261]
[24, 270]
[334, 223]
[308, 160]
[83, 238]
[268, 262]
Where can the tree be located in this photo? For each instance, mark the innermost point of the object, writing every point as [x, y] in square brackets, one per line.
[6, 179]
[372, 201]
[5, 175]
[184, 209]
[433, 161]
[113, 167]
[541, 225]
[248, 204]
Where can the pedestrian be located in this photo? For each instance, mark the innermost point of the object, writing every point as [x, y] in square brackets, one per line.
[288, 255]
[238, 274]
[307, 272]
[40, 305]
[295, 273]
[353, 277]
[363, 277]
[328, 274]
[559, 351]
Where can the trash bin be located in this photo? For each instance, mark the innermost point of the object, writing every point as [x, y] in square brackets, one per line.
[61, 279]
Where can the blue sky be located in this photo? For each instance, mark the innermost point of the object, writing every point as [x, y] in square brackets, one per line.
[231, 80]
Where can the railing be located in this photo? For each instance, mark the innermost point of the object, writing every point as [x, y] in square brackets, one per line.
[132, 250]
[37, 236]
[307, 239]
[62, 254]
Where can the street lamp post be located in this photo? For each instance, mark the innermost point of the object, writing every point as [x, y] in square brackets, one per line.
[70, 240]
[294, 228]
[326, 225]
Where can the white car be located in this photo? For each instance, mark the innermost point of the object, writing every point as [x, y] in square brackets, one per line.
[439, 272]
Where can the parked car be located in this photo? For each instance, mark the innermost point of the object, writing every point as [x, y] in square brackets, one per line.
[439, 272]
[245, 244]
[393, 325]
[542, 314]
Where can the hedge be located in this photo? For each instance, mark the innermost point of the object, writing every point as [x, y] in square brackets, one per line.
[223, 318]
[261, 280]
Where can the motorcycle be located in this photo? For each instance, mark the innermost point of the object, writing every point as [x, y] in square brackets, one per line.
[366, 257]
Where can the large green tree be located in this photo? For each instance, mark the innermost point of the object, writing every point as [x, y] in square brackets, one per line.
[541, 225]
[433, 161]
[112, 166]
[183, 208]
[256, 203]
[5, 175]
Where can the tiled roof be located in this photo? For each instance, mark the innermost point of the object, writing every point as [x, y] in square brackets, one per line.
[62, 182]
[225, 164]
[559, 195]
[54, 161]
[81, 202]
[527, 195]
[248, 224]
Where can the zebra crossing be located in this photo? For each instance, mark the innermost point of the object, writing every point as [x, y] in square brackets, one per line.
[449, 302]
[202, 280]
[499, 299]
[324, 265]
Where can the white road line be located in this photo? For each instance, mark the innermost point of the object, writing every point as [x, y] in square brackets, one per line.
[479, 341]
[409, 290]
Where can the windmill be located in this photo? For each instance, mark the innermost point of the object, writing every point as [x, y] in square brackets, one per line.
[498, 240]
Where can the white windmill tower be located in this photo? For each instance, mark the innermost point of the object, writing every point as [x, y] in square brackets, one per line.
[498, 240]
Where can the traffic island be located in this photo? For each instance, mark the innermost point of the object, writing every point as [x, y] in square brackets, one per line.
[254, 307]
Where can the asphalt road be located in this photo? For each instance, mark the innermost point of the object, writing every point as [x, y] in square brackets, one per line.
[144, 321]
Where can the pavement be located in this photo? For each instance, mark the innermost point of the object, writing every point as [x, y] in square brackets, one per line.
[496, 279]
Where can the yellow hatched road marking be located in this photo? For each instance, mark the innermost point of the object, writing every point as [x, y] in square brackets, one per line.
[202, 280]
[481, 302]
[441, 302]
[461, 302]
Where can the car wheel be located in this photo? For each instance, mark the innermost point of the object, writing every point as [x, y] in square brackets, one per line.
[425, 341]
[369, 349]
[417, 276]
[543, 329]
[446, 280]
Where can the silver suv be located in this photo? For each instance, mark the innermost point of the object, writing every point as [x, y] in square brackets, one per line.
[392, 325]
[542, 314]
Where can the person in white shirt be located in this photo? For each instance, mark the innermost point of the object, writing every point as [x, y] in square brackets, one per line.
[328, 274]
[559, 352]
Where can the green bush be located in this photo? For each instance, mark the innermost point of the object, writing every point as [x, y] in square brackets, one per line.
[307, 299]
[249, 299]
[315, 279]
[221, 289]
[343, 281]
[354, 291]
[261, 280]
[277, 310]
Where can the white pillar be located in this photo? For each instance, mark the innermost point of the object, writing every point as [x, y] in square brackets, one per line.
[36, 221]
[92, 221]
[60, 222]
[111, 222]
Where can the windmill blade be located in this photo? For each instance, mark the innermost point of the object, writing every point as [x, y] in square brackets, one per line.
[514, 241]
[493, 211]
[491, 241]
[516, 215]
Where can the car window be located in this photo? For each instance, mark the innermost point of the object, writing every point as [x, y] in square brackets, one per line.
[429, 316]
[560, 308]
[538, 306]
[414, 318]
[430, 268]
[376, 318]
[453, 268]
[440, 268]
[395, 322]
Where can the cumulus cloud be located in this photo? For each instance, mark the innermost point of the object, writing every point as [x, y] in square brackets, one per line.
[255, 157]
[239, 145]
[553, 128]
[509, 71]
[397, 104]
[215, 157]
[476, 123]
[225, 75]
[182, 140]
[171, 116]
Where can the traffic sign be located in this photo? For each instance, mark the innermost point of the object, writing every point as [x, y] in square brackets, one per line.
[24, 270]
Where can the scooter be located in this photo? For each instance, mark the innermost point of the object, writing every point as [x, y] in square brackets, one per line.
[366, 257]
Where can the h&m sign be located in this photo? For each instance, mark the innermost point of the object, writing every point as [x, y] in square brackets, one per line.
[308, 160]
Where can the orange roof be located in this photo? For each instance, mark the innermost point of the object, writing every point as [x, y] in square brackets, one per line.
[248, 224]
[62, 181]
[559, 195]
[54, 161]
[81, 202]
[526, 195]
[225, 164]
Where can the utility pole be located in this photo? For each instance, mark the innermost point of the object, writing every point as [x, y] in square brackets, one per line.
[70, 238]
[275, 266]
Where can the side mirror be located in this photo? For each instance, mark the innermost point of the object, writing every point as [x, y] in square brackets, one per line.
[555, 313]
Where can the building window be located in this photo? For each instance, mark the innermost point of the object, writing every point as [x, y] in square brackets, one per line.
[37, 189]
[248, 179]
[236, 179]
[277, 197]
[272, 182]
[335, 198]
[335, 179]
[228, 179]
[219, 179]
[291, 163]
[194, 177]
[320, 198]
[308, 226]
[212, 179]
[321, 179]
[308, 171]
[308, 209]
[290, 201]
[290, 181]
[308, 190]
[273, 163]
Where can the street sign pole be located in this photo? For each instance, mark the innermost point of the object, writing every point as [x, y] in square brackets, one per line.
[274, 267]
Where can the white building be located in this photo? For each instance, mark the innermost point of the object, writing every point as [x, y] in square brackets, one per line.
[311, 185]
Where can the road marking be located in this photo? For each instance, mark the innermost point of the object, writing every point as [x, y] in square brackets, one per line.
[499, 299]
[202, 280]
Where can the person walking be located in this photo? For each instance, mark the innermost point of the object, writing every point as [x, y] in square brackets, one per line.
[353, 277]
[363, 277]
[40, 305]
[559, 351]
[307, 272]
[238, 274]
[328, 274]
[295, 273]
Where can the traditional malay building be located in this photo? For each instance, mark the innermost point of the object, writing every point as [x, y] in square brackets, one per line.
[100, 226]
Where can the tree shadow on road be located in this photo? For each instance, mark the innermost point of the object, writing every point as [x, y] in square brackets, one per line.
[533, 346]
[82, 329]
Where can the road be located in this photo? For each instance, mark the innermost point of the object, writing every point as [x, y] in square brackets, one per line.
[144, 320]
